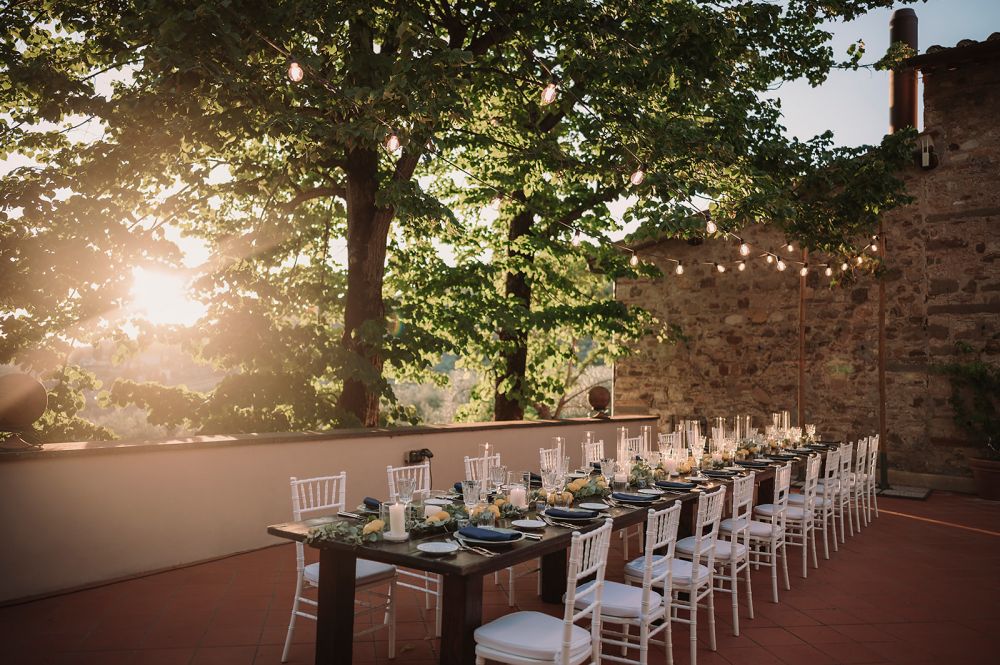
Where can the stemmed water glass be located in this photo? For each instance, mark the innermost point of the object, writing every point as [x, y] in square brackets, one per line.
[405, 487]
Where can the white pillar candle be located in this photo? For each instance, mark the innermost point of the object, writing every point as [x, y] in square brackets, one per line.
[518, 497]
[397, 519]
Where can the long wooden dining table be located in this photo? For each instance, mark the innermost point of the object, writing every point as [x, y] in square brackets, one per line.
[462, 572]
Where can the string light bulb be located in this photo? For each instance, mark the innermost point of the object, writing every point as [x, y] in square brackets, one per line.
[549, 93]
[295, 72]
[634, 261]
[859, 260]
[843, 266]
[781, 265]
[637, 177]
[828, 272]
[769, 258]
[679, 270]
[790, 247]
[710, 226]
[720, 267]
[392, 143]
[744, 249]
[741, 266]
[874, 246]
[804, 270]
[576, 239]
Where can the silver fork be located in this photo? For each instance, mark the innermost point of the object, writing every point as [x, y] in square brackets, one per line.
[470, 548]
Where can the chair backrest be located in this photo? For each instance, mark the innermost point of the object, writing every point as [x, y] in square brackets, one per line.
[872, 459]
[421, 473]
[782, 487]
[743, 497]
[327, 494]
[661, 538]
[549, 458]
[831, 474]
[861, 459]
[588, 555]
[477, 468]
[812, 479]
[631, 447]
[846, 456]
[706, 524]
[592, 452]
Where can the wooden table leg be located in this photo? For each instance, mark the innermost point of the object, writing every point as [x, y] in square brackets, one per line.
[462, 613]
[335, 613]
[553, 574]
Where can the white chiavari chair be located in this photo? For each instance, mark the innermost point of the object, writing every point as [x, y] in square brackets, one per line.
[694, 576]
[534, 638]
[592, 452]
[428, 584]
[859, 480]
[826, 500]
[800, 527]
[326, 495]
[872, 477]
[478, 468]
[550, 458]
[732, 549]
[624, 606]
[767, 538]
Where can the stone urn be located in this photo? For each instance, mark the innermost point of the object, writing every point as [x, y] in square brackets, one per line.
[986, 473]
[599, 398]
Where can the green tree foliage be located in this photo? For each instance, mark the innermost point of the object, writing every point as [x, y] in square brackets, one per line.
[193, 124]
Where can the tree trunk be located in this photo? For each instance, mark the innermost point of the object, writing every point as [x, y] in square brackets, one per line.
[514, 357]
[367, 233]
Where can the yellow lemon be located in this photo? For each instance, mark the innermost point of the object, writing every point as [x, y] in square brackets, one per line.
[373, 527]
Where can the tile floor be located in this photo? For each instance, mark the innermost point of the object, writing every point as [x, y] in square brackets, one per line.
[921, 585]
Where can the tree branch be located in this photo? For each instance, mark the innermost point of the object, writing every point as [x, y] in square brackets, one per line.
[314, 193]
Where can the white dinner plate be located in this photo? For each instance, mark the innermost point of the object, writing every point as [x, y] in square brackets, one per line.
[438, 502]
[495, 543]
[594, 506]
[577, 474]
[437, 549]
[651, 491]
[528, 524]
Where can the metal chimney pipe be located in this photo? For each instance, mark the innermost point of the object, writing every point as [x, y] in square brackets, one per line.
[903, 83]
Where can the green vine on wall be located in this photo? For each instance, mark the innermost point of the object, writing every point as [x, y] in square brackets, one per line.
[975, 395]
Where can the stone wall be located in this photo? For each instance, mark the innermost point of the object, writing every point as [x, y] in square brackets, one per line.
[740, 352]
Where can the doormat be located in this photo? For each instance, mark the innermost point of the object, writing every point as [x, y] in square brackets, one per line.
[905, 492]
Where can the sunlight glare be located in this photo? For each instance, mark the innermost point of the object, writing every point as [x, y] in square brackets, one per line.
[162, 298]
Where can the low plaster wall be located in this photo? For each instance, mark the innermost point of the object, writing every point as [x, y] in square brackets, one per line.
[78, 514]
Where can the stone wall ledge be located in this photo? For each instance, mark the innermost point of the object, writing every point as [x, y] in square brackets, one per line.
[76, 448]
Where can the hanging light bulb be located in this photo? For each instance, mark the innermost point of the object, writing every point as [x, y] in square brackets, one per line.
[679, 269]
[392, 143]
[549, 93]
[781, 264]
[744, 249]
[720, 267]
[790, 247]
[828, 272]
[859, 260]
[634, 261]
[710, 226]
[874, 246]
[637, 177]
[576, 239]
[843, 266]
[769, 258]
[741, 266]
[295, 72]
[804, 270]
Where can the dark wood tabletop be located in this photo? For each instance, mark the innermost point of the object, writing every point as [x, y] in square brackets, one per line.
[462, 572]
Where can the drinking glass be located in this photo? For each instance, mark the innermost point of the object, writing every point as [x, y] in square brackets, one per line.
[498, 475]
[405, 487]
[471, 490]
[608, 468]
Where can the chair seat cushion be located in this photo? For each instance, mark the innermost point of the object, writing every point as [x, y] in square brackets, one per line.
[365, 572]
[796, 513]
[531, 635]
[800, 499]
[619, 600]
[759, 530]
[681, 570]
[723, 548]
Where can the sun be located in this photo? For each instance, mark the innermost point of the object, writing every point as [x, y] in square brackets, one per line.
[162, 298]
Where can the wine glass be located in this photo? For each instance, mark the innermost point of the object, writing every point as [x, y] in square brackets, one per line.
[405, 487]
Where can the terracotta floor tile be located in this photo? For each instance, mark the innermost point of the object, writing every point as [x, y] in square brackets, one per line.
[771, 636]
[850, 653]
[801, 654]
[240, 655]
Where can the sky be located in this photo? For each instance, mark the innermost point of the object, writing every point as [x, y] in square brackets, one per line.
[855, 104]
